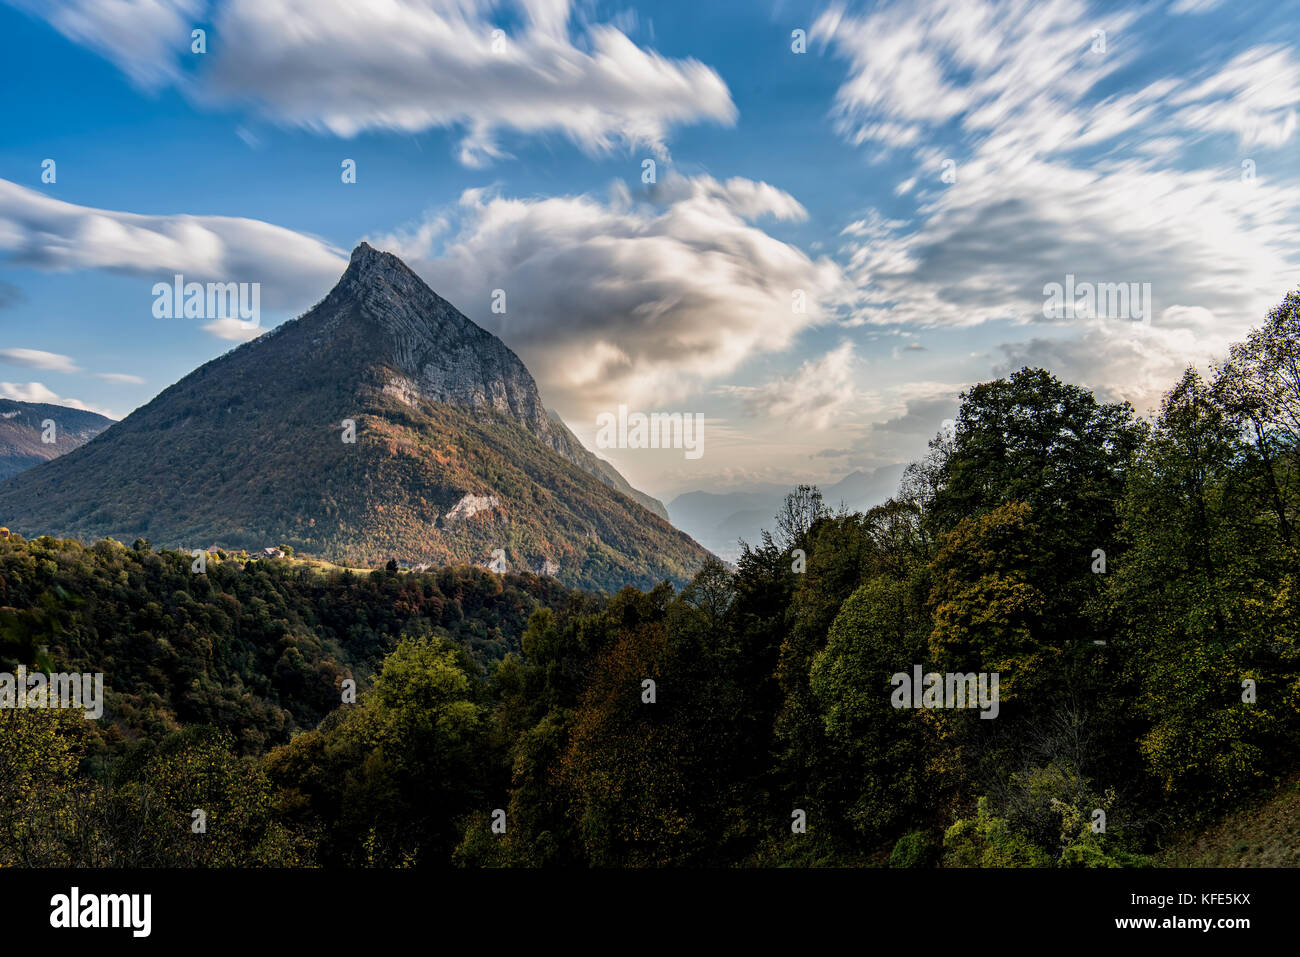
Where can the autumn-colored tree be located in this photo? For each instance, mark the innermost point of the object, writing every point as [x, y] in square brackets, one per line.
[46, 811]
[627, 765]
[988, 602]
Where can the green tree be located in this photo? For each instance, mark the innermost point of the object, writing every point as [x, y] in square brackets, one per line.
[1205, 597]
[391, 780]
[878, 753]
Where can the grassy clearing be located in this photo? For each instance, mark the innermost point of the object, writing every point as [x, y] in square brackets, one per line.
[1265, 834]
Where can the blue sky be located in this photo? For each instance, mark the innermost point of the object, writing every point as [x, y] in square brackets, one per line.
[919, 173]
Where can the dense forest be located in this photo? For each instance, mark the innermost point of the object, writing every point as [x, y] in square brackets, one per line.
[1131, 582]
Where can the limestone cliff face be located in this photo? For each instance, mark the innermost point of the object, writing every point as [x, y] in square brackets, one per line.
[438, 351]
[441, 355]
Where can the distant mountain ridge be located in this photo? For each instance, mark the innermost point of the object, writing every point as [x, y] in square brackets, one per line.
[22, 426]
[719, 520]
[455, 458]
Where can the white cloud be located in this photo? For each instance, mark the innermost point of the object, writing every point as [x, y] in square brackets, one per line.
[1254, 97]
[1193, 6]
[818, 395]
[343, 67]
[917, 66]
[38, 392]
[915, 409]
[1123, 166]
[233, 330]
[637, 301]
[743, 197]
[36, 359]
[120, 378]
[140, 37]
[293, 269]
[1123, 361]
[873, 226]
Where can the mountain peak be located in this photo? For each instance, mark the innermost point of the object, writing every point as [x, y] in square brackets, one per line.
[369, 265]
[367, 257]
[454, 455]
[425, 345]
